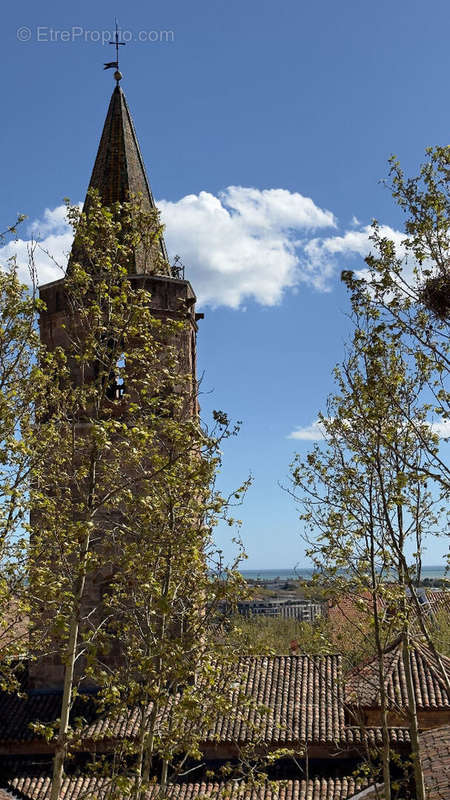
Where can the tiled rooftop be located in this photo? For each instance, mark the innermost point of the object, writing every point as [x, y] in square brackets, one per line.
[38, 788]
[435, 757]
[302, 695]
[352, 734]
[16, 713]
[432, 604]
[439, 601]
[430, 691]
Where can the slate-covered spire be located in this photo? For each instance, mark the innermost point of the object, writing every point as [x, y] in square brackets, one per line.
[119, 172]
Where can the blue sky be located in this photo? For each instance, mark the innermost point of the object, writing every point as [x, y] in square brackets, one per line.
[298, 107]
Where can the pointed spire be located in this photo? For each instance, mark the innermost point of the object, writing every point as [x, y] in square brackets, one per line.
[119, 172]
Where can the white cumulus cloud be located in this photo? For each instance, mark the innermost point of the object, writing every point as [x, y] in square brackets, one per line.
[442, 428]
[47, 242]
[53, 221]
[333, 250]
[241, 245]
[309, 433]
[315, 432]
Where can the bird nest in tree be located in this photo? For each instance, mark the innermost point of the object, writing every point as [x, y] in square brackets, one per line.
[435, 295]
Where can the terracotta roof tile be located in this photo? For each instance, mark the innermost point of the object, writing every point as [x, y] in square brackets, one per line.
[314, 789]
[352, 734]
[362, 681]
[434, 747]
[17, 713]
[439, 601]
[432, 603]
[301, 695]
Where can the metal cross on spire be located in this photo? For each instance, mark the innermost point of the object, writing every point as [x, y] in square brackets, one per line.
[111, 64]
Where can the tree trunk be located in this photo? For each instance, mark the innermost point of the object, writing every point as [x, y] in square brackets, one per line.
[69, 668]
[386, 753]
[412, 710]
[423, 628]
[164, 775]
[149, 743]
[137, 788]
[413, 725]
[61, 746]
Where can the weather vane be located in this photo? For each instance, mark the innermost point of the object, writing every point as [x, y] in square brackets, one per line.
[111, 64]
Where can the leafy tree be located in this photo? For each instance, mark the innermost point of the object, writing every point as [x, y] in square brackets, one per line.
[377, 483]
[261, 635]
[405, 291]
[440, 632]
[23, 385]
[164, 601]
[364, 495]
[123, 513]
[381, 477]
[408, 287]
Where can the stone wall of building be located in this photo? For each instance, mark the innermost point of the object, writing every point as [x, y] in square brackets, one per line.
[171, 299]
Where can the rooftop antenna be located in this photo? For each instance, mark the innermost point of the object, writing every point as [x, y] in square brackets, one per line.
[110, 64]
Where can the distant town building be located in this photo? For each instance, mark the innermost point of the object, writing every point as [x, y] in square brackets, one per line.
[303, 610]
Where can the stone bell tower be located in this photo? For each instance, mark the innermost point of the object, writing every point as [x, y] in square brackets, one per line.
[119, 175]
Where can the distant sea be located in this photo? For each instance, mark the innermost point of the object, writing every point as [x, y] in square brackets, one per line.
[307, 573]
